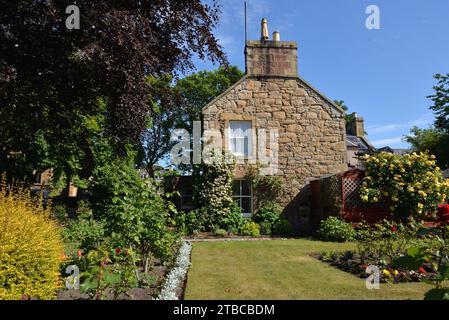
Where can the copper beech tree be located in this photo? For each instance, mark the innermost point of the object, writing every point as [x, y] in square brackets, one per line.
[51, 77]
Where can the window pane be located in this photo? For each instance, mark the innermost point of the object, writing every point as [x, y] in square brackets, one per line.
[246, 205]
[246, 146]
[246, 188]
[233, 145]
[239, 146]
[236, 187]
[240, 137]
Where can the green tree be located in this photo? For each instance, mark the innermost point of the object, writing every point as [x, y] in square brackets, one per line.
[432, 140]
[156, 141]
[198, 89]
[341, 104]
[441, 102]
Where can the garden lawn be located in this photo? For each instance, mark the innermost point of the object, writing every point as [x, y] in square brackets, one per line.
[280, 270]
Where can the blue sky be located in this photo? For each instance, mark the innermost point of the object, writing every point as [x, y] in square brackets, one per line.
[383, 75]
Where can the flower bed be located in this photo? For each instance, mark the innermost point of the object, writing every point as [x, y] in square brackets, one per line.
[350, 261]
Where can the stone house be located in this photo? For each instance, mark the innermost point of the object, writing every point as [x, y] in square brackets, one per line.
[303, 131]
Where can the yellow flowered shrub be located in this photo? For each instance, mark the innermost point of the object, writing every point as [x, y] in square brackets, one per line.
[408, 185]
[30, 247]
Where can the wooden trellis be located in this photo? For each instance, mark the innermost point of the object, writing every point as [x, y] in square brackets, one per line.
[339, 195]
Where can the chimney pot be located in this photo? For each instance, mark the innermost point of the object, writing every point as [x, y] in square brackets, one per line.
[264, 30]
[276, 36]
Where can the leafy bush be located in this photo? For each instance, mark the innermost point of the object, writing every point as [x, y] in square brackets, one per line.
[30, 247]
[134, 210]
[386, 240]
[234, 220]
[250, 228]
[335, 229]
[85, 231]
[189, 222]
[59, 213]
[437, 256]
[270, 215]
[409, 185]
[283, 228]
[220, 233]
[265, 228]
[195, 221]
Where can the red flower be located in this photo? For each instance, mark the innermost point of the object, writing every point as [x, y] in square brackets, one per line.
[117, 250]
[79, 253]
[393, 229]
[421, 270]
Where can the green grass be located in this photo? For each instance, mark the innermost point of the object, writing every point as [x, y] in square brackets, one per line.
[280, 270]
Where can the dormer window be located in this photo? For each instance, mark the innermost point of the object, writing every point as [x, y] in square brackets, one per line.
[240, 138]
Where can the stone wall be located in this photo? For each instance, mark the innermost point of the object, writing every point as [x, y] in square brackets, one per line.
[311, 130]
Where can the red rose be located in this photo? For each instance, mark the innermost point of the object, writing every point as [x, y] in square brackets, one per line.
[117, 250]
[79, 253]
[421, 270]
[393, 229]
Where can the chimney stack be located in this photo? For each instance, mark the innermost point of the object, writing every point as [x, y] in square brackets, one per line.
[356, 126]
[271, 58]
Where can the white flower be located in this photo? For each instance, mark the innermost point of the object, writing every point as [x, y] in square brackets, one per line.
[177, 275]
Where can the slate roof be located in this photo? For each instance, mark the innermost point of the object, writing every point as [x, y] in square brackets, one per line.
[362, 144]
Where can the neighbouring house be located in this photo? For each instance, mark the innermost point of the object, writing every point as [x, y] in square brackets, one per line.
[400, 152]
[272, 102]
[357, 144]
[42, 180]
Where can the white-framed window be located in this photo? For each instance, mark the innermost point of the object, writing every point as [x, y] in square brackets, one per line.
[243, 196]
[240, 138]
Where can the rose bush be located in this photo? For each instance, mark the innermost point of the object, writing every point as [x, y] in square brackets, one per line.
[408, 185]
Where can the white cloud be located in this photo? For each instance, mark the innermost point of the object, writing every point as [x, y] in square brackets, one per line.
[387, 142]
[378, 129]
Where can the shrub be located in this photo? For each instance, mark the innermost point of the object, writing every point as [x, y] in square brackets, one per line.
[408, 185]
[265, 228]
[30, 247]
[269, 214]
[335, 229]
[283, 228]
[234, 220]
[220, 233]
[387, 239]
[250, 228]
[194, 221]
[87, 232]
[59, 213]
[135, 212]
